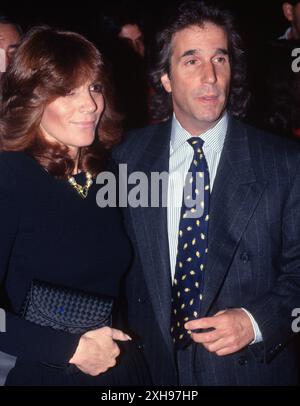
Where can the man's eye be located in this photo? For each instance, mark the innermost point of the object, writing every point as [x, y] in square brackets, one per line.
[191, 62]
[220, 59]
[97, 88]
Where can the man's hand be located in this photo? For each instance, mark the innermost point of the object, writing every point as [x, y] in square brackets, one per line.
[232, 331]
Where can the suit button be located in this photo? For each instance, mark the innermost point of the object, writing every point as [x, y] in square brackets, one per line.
[244, 257]
[243, 361]
[141, 346]
[140, 300]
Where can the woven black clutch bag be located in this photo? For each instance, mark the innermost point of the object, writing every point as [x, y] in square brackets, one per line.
[66, 309]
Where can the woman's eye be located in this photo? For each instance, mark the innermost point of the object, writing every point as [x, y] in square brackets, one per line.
[97, 88]
[70, 93]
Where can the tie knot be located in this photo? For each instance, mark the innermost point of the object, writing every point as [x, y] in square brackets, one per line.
[196, 142]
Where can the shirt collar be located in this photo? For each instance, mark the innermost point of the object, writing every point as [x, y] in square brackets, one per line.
[213, 138]
[287, 34]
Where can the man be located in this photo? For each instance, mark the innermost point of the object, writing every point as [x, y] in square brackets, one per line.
[10, 36]
[291, 11]
[132, 33]
[237, 266]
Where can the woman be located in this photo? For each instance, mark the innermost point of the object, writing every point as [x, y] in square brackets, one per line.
[61, 257]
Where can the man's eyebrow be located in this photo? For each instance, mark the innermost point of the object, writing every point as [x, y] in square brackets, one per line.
[192, 52]
[222, 51]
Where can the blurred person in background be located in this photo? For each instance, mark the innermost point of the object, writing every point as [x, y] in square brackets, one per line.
[10, 36]
[121, 38]
[291, 11]
[132, 33]
[280, 93]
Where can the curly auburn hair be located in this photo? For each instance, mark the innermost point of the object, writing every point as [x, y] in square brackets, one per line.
[48, 64]
[197, 13]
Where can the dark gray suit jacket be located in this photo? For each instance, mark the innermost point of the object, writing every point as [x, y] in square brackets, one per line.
[253, 262]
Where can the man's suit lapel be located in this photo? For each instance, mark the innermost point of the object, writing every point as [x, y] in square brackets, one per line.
[236, 193]
[151, 229]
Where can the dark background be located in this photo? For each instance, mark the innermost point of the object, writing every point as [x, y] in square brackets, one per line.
[257, 19]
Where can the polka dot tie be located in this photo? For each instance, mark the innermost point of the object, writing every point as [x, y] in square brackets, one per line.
[187, 290]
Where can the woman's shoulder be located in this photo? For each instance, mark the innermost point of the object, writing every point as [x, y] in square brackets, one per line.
[8, 158]
[14, 165]
[16, 160]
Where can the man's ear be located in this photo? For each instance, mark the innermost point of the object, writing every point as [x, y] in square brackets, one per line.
[165, 81]
[287, 9]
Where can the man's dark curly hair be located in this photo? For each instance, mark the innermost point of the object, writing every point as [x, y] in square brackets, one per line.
[198, 13]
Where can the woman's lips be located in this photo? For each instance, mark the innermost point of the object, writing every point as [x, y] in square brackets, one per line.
[84, 124]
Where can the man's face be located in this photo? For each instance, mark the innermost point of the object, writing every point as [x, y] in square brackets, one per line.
[200, 76]
[9, 39]
[134, 36]
[292, 14]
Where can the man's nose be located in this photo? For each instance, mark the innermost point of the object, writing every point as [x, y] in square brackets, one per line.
[209, 73]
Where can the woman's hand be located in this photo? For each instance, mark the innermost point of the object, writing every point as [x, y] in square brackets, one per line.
[97, 351]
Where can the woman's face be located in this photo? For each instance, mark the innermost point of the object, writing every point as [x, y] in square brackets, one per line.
[71, 120]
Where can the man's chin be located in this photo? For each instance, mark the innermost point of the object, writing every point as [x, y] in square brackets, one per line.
[210, 119]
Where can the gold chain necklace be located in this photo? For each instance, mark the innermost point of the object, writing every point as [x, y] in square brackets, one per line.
[81, 190]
